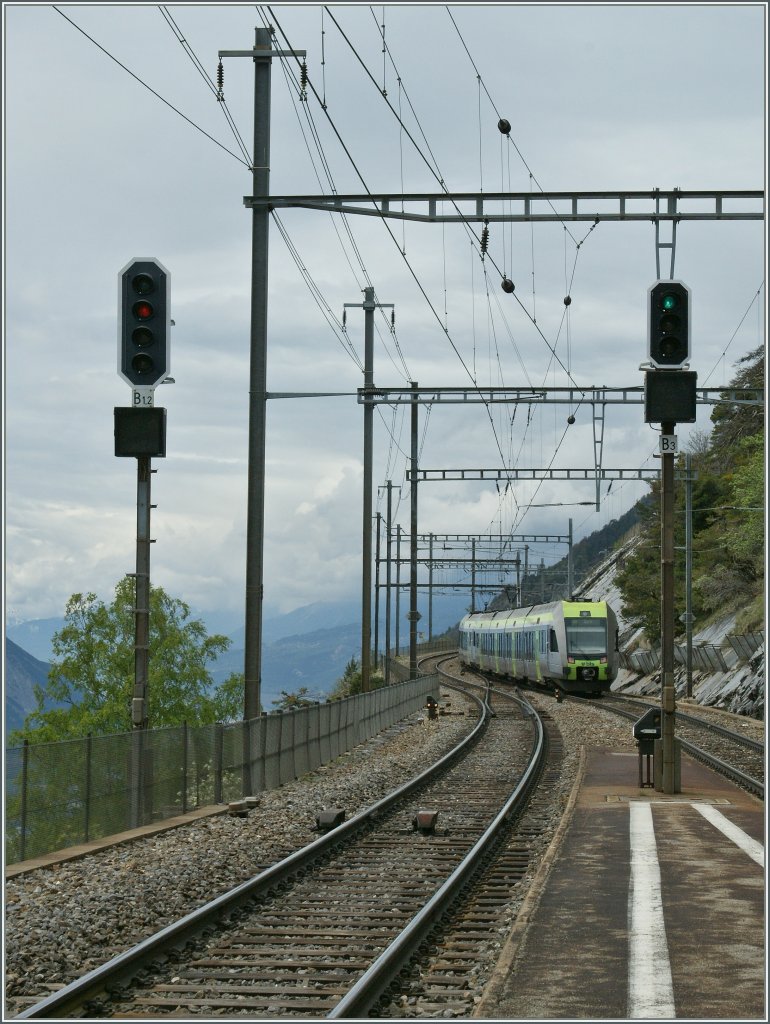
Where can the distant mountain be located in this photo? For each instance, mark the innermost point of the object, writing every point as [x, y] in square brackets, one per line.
[311, 660]
[308, 647]
[310, 618]
[22, 674]
[35, 636]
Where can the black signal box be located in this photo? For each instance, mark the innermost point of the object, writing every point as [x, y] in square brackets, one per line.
[670, 396]
[140, 432]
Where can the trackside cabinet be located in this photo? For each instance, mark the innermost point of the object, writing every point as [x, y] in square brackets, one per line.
[648, 736]
[646, 730]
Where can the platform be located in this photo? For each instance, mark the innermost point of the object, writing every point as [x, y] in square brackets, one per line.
[647, 906]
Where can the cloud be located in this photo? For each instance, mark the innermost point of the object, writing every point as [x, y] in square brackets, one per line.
[98, 170]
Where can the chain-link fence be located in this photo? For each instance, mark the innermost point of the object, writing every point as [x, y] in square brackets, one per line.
[62, 794]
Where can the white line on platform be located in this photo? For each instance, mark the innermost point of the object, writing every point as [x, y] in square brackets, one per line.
[750, 846]
[650, 988]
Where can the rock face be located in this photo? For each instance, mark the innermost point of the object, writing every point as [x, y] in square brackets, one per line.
[722, 676]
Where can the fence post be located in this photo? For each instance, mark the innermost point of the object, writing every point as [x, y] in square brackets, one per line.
[184, 767]
[218, 755]
[24, 769]
[87, 823]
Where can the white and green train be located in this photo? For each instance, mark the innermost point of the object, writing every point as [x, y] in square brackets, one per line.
[569, 645]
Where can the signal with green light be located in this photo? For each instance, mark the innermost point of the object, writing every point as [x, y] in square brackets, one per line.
[668, 320]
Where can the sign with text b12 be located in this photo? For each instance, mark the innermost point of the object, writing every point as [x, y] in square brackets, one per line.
[144, 322]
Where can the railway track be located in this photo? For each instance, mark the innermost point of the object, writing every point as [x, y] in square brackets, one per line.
[445, 979]
[734, 755]
[329, 930]
[740, 758]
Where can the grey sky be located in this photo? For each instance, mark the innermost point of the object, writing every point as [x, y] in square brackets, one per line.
[97, 170]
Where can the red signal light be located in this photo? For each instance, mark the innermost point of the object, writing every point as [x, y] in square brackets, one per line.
[143, 310]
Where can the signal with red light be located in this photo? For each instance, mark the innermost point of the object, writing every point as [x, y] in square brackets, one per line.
[143, 323]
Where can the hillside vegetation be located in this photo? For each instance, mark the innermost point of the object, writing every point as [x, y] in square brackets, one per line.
[728, 512]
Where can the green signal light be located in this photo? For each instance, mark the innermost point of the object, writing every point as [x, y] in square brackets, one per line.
[669, 301]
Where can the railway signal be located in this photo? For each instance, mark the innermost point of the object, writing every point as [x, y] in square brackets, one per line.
[668, 320]
[144, 323]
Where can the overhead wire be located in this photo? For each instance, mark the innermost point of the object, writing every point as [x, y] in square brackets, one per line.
[149, 88]
[403, 370]
[463, 220]
[386, 225]
[246, 161]
[207, 79]
[441, 181]
[394, 443]
[390, 232]
[735, 332]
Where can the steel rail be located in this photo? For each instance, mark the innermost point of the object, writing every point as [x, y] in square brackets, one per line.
[722, 730]
[734, 774]
[121, 968]
[370, 986]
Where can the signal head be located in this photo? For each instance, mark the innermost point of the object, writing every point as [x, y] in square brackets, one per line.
[668, 321]
[144, 323]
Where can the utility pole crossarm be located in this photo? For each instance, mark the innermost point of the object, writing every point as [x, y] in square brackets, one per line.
[262, 51]
[652, 205]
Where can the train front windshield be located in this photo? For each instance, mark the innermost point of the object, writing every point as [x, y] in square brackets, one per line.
[586, 638]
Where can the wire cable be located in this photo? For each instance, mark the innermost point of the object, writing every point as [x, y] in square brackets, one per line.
[150, 89]
[732, 338]
[207, 79]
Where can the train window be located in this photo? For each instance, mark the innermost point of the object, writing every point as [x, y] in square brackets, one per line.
[554, 642]
[586, 638]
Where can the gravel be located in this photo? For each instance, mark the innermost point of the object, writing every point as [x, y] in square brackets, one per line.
[63, 920]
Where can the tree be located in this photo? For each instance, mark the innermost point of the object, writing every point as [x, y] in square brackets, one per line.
[727, 517]
[747, 542]
[92, 673]
[301, 699]
[731, 422]
[351, 681]
[639, 579]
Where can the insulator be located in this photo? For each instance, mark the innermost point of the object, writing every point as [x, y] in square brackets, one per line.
[344, 318]
[507, 285]
[392, 319]
[484, 239]
[220, 81]
[303, 79]
[504, 125]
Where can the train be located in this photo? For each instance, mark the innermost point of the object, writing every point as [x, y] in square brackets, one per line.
[567, 646]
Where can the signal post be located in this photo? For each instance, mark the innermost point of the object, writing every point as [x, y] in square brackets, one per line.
[670, 398]
[144, 328]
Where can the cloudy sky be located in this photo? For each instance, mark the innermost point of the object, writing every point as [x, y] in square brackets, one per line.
[98, 169]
